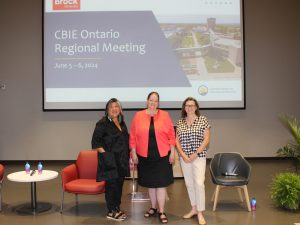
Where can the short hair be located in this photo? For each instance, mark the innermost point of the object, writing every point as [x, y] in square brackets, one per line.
[183, 112]
[108, 104]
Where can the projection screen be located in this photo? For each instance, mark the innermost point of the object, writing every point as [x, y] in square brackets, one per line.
[94, 50]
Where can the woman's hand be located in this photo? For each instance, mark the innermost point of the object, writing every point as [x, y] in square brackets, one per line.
[193, 156]
[185, 158]
[100, 150]
[134, 156]
[172, 157]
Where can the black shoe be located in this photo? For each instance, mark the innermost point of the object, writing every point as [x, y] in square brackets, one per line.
[162, 217]
[151, 212]
[113, 215]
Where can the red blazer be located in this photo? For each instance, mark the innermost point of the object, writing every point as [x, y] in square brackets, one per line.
[164, 132]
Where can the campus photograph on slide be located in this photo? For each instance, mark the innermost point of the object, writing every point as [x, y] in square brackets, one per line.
[96, 49]
[207, 51]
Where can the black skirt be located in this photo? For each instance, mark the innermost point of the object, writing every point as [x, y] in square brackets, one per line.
[155, 173]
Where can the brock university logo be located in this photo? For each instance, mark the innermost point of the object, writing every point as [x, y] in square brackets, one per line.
[66, 4]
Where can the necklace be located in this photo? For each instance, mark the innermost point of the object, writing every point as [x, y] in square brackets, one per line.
[151, 112]
[190, 120]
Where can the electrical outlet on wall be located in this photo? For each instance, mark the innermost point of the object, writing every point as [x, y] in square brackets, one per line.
[2, 86]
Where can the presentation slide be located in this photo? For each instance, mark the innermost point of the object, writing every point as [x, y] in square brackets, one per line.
[94, 50]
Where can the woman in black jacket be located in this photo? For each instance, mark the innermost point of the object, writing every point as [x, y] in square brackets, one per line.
[110, 139]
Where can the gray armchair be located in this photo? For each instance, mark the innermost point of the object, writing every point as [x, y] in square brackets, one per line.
[230, 170]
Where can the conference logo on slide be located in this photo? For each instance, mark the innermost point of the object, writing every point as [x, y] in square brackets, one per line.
[203, 90]
[66, 4]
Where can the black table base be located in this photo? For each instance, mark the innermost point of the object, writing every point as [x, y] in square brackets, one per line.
[33, 207]
[27, 209]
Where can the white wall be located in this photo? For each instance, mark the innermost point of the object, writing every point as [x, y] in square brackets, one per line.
[272, 82]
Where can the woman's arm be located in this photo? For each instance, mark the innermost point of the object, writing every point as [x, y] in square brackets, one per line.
[132, 134]
[97, 139]
[132, 141]
[181, 152]
[205, 141]
[172, 154]
[171, 131]
[171, 137]
[203, 145]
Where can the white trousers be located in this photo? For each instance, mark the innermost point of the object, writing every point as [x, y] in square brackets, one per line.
[194, 176]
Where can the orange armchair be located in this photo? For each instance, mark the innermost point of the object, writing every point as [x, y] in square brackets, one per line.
[80, 177]
[1, 179]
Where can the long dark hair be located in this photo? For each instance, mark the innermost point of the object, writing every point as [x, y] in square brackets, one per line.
[108, 104]
[183, 112]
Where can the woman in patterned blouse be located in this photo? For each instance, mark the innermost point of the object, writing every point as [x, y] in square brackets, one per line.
[192, 139]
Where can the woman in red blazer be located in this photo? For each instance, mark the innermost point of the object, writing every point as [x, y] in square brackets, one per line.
[152, 141]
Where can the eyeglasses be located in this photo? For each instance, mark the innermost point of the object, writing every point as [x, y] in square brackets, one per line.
[190, 106]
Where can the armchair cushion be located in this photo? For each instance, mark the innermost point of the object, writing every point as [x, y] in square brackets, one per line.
[231, 180]
[85, 186]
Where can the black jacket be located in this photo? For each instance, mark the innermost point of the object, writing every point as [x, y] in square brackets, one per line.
[114, 162]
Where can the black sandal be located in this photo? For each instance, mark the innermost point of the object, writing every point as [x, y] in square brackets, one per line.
[123, 215]
[118, 210]
[163, 219]
[115, 216]
[151, 212]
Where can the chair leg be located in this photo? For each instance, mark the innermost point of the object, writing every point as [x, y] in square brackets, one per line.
[136, 187]
[213, 196]
[62, 201]
[216, 197]
[240, 194]
[134, 184]
[0, 196]
[247, 197]
[76, 199]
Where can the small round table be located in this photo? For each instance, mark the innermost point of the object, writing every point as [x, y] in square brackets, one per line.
[22, 176]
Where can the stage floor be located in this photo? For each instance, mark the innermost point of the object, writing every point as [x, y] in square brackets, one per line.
[92, 210]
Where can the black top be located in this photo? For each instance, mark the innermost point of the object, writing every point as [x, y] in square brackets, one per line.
[153, 153]
[114, 162]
